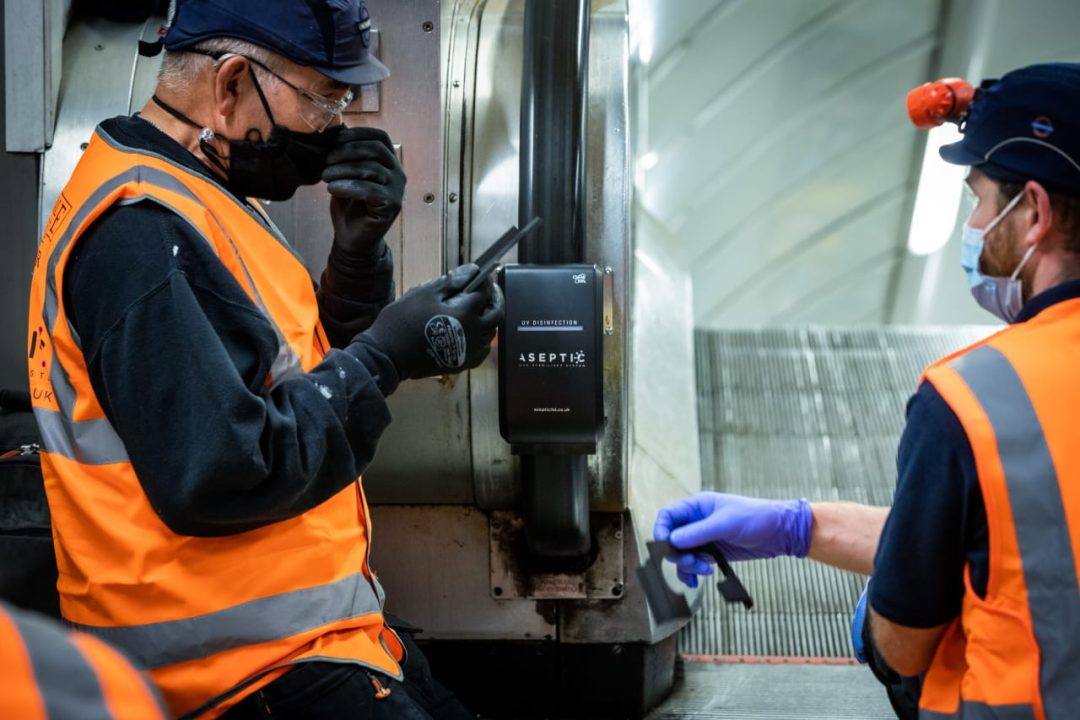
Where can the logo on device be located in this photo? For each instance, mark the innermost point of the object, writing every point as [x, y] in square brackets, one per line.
[552, 359]
[580, 279]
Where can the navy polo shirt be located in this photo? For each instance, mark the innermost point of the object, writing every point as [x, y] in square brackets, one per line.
[938, 521]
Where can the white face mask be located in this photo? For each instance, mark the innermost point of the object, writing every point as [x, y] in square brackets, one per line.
[1004, 297]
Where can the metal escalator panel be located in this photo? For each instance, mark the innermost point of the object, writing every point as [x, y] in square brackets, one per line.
[814, 413]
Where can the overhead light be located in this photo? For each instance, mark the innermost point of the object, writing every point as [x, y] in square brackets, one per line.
[937, 199]
[641, 30]
[645, 163]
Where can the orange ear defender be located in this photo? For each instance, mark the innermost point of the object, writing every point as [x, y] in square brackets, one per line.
[934, 103]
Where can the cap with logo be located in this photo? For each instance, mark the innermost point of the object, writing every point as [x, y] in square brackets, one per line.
[1025, 126]
[332, 36]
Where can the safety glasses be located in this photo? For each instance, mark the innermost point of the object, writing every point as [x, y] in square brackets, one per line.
[318, 112]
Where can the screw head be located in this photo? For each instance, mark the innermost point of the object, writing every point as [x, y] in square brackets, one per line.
[452, 198]
[428, 26]
[429, 198]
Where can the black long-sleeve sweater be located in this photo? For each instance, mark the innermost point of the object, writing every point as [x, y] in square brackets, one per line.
[178, 356]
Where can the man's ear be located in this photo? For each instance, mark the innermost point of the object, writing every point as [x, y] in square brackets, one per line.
[1038, 212]
[228, 79]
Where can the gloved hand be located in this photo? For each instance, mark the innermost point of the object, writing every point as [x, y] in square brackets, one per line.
[743, 528]
[436, 329]
[367, 186]
[858, 620]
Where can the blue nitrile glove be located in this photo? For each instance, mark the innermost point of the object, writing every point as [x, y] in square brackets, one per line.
[858, 620]
[743, 528]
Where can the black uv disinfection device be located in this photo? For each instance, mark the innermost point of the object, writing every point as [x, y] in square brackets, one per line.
[551, 358]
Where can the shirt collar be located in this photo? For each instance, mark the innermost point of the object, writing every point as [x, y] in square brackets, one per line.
[1068, 290]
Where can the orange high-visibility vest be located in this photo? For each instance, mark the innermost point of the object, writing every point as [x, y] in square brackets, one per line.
[48, 674]
[211, 619]
[1016, 654]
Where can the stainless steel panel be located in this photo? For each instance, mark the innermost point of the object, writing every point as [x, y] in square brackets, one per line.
[100, 62]
[433, 562]
[425, 455]
[490, 190]
[33, 45]
[608, 238]
[477, 123]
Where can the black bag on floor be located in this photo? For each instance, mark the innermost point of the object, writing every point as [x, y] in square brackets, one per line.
[27, 561]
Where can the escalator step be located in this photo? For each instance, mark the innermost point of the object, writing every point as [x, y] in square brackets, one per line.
[802, 412]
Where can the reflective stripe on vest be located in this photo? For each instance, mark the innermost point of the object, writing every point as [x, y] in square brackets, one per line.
[1042, 531]
[66, 681]
[211, 619]
[95, 442]
[981, 711]
[258, 621]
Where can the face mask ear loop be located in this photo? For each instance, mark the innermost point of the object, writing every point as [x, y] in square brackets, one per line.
[212, 154]
[1023, 261]
[1001, 215]
[205, 134]
[262, 96]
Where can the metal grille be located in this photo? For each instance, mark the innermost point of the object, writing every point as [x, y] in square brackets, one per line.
[812, 413]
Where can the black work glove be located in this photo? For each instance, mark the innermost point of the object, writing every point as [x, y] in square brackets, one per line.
[367, 186]
[436, 329]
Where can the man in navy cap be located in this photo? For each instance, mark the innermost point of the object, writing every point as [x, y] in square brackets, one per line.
[974, 603]
[206, 410]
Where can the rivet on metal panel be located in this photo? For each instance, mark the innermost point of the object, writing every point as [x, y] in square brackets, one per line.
[452, 197]
[457, 83]
[83, 146]
[428, 26]
[429, 198]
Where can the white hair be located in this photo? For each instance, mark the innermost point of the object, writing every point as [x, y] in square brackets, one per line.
[180, 69]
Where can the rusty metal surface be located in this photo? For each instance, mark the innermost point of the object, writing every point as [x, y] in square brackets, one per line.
[511, 579]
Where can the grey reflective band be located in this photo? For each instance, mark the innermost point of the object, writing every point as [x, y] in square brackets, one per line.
[66, 681]
[252, 623]
[981, 711]
[65, 394]
[1042, 530]
[173, 209]
[90, 442]
[138, 173]
[286, 363]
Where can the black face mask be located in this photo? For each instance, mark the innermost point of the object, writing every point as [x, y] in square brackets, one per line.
[269, 169]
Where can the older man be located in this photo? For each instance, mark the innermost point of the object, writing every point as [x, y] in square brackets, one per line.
[205, 410]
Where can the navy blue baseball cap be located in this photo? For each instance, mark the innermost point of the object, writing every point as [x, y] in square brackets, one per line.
[1025, 126]
[332, 36]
